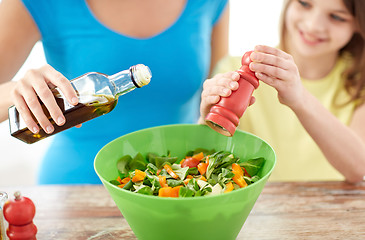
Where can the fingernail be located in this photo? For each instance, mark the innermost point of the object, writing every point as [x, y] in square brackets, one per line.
[235, 75]
[252, 66]
[35, 130]
[60, 120]
[49, 129]
[74, 100]
[253, 56]
[233, 85]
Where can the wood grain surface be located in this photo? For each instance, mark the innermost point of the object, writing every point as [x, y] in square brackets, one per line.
[290, 210]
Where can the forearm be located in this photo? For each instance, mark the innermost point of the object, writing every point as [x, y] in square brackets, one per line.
[6, 102]
[342, 147]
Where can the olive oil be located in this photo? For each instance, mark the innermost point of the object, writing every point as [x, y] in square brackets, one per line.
[98, 105]
[98, 95]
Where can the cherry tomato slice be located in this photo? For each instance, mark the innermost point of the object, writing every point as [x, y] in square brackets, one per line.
[190, 162]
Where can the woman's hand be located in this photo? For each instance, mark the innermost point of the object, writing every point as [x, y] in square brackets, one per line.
[37, 83]
[278, 69]
[221, 85]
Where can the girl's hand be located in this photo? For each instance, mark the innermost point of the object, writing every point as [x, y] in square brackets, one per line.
[277, 69]
[37, 83]
[221, 85]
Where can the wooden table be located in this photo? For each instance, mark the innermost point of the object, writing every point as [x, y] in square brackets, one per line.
[293, 210]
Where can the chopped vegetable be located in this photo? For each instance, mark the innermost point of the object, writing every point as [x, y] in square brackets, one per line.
[170, 171]
[138, 176]
[199, 173]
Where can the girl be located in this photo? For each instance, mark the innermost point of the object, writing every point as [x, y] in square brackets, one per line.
[310, 104]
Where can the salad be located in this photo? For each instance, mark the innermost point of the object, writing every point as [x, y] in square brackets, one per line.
[202, 172]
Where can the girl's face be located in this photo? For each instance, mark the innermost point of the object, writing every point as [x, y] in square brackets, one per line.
[317, 28]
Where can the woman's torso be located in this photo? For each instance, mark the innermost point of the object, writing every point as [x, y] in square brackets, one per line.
[76, 42]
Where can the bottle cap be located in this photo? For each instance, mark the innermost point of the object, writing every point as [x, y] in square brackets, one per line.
[142, 74]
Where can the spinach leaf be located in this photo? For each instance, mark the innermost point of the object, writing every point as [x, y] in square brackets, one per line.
[251, 180]
[152, 168]
[146, 190]
[186, 192]
[138, 162]
[199, 150]
[214, 160]
[154, 182]
[174, 182]
[181, 172]
[225, 176]
[193, 171]
[123, 165]
[252, 166]
[114, 182]
[160, 161]
[193, 185]
[129, 185]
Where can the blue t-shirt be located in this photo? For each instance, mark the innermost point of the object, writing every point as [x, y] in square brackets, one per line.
[75, 42]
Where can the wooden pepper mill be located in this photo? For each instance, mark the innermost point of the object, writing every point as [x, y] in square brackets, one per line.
[19, 212]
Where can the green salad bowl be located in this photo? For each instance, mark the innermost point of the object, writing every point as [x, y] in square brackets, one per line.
[218, 217]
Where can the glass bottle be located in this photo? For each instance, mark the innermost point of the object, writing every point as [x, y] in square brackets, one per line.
[97, 93]
[224, 116]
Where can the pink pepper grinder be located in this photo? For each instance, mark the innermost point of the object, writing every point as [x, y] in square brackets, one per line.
[224, 116]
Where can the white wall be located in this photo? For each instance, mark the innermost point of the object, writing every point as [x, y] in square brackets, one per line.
[19, 161]
[251, 23]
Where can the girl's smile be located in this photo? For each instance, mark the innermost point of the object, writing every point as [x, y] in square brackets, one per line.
[310, 39]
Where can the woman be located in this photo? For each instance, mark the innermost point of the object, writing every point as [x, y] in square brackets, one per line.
[179, 40]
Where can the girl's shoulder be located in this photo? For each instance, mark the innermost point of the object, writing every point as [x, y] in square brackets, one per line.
[227, 64]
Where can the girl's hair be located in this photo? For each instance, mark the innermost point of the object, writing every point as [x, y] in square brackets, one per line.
[355, 74]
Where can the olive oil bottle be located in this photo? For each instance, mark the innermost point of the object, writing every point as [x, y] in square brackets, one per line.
[98, 94]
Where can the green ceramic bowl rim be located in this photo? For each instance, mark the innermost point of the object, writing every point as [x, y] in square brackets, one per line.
[237, 191]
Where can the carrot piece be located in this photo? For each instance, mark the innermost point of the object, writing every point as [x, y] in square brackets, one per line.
[170, 171]
[239, 181]
[169, 191]
[238, 175]
[229, 187]
[237, 170]
[181, 162]
[202, 178]
[198, 156]
[119, 179]
[122, 185]
[158, 172]
[202, 168]
[125, 180]
[186, 181]
[189, 176]
[138, 176]
[175, 191]
[162, 181]
[165, 192]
